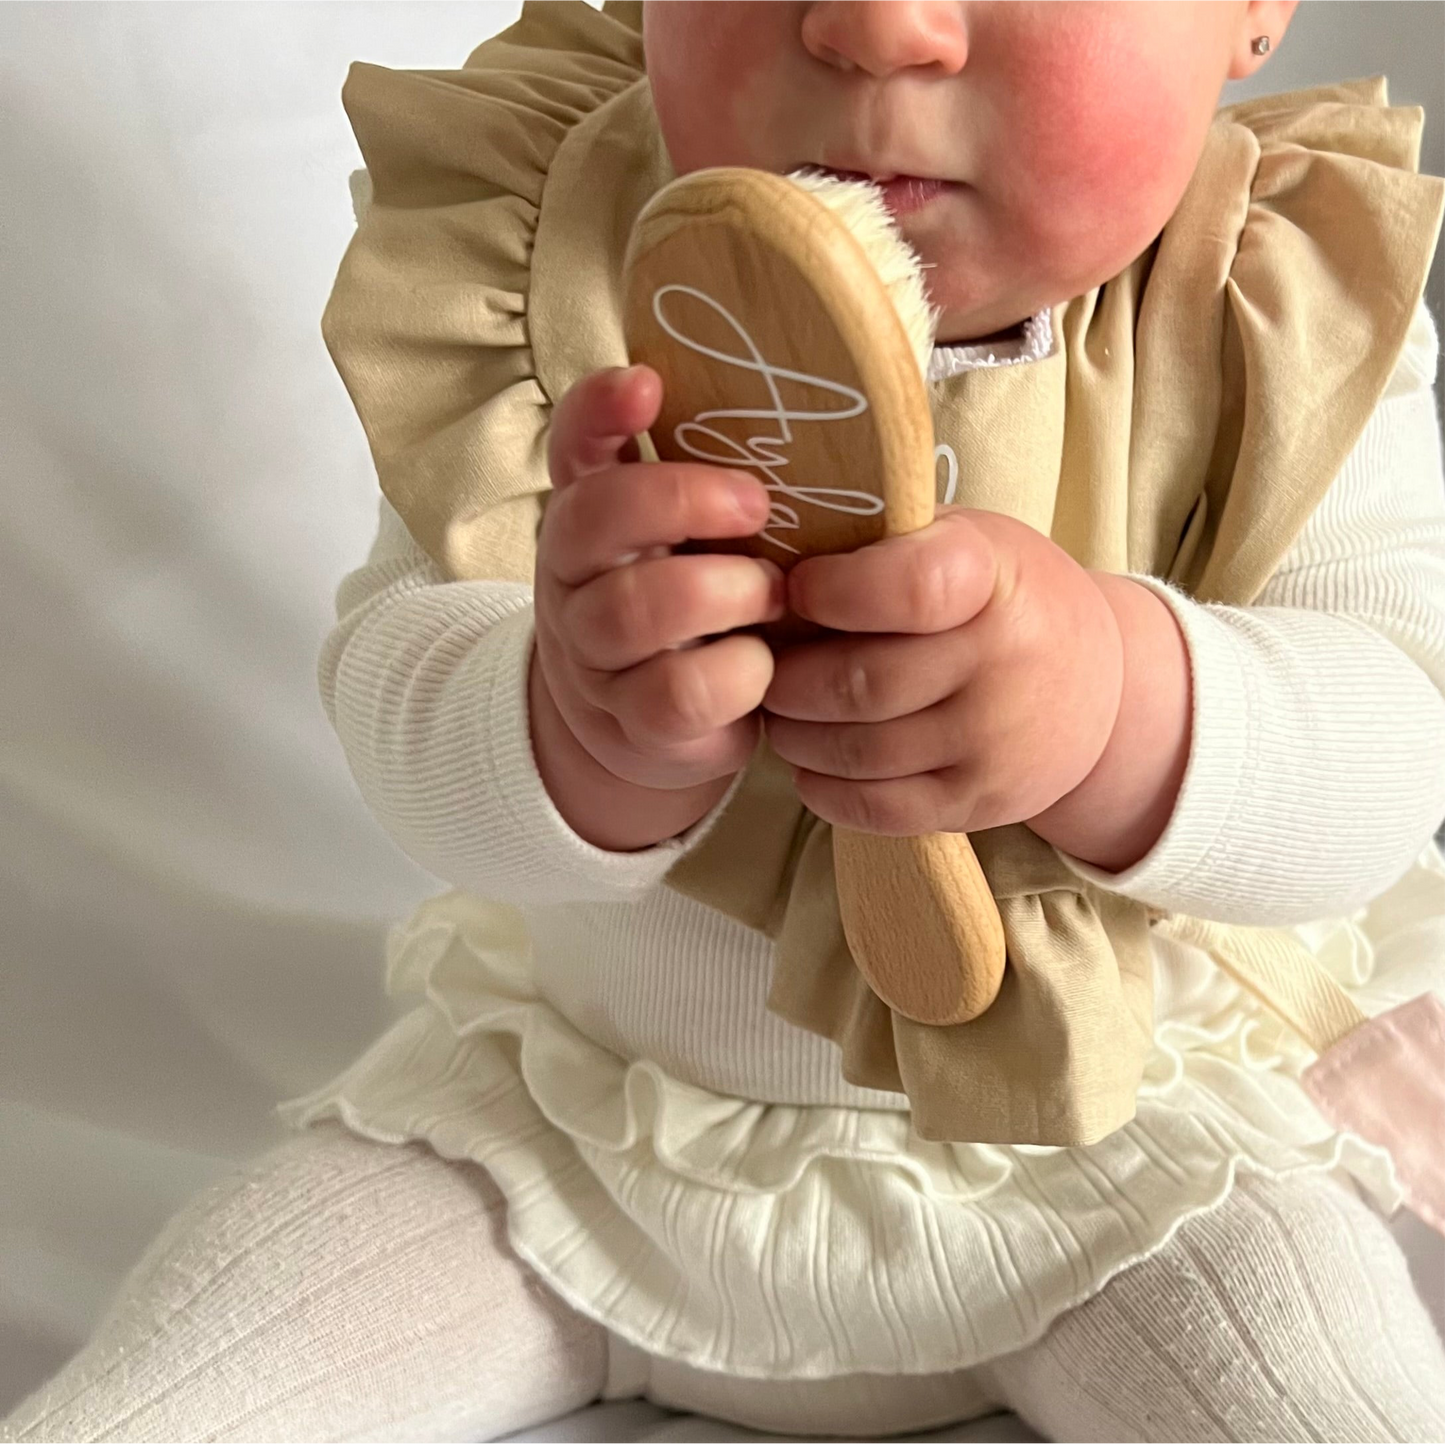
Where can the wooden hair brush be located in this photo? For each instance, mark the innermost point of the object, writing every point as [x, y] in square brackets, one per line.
[788, 321]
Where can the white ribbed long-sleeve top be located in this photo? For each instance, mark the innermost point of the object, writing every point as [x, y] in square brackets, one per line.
[1316, 774]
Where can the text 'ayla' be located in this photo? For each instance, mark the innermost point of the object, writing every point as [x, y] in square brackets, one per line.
[765, 453]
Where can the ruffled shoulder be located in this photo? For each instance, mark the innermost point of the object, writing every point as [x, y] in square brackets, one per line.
[1320, 236]
[428, 318]
[1353, 117]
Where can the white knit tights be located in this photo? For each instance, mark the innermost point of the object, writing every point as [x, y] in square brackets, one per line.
[343, 1290]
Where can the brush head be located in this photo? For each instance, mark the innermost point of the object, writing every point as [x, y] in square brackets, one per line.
[789, 324]
[860, 206]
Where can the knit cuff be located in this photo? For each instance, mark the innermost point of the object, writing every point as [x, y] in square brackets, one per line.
[1316, 769]
[1214, 775]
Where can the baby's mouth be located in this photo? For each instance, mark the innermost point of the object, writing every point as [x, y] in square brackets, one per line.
[905, 194]
[902, 194]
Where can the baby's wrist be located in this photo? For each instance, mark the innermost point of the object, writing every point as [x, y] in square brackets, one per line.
[1120, 810]
[603, 809]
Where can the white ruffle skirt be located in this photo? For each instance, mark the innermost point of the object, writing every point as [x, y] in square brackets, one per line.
[773, 1241]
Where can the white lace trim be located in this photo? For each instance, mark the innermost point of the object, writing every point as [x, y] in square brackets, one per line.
[1036, 343]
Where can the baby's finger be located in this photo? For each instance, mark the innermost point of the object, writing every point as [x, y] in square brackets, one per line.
[928, 581]
[595, 420]
[630, 509]
[681, 697]
[858, 678]
[631, 613]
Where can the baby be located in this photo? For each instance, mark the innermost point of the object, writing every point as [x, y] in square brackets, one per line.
[597, 1160]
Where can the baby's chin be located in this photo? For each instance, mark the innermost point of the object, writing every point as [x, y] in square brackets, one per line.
[978, 301]
[983, 290]
[970, 285]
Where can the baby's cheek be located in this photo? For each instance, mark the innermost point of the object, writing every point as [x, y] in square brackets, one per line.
[710, 73]
[1106, 145]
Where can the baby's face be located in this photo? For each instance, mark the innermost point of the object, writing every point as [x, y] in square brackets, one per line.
[1052, 140]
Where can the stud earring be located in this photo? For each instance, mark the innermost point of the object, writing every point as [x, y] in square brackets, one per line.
[1260, 45]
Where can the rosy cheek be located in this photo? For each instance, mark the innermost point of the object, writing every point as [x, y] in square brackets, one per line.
[1105, 141]
[709, 77]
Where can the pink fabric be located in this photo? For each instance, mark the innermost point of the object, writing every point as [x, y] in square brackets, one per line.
[1385, 1082]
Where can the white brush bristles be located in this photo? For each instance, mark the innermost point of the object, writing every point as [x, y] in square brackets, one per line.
[859, 205]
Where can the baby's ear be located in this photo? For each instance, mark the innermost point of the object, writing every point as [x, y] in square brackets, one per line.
[1261, 28]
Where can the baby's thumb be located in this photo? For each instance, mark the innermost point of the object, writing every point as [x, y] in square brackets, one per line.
[596, 420]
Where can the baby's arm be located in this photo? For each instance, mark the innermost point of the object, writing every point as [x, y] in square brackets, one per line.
[1317, 767]
[425, 682]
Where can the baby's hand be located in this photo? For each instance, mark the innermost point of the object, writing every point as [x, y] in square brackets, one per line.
[992, 694]
[619, 618]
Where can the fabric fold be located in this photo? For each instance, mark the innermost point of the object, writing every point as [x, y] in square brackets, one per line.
[428, 320]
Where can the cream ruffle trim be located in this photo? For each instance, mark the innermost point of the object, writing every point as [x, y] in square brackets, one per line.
[775, 1241]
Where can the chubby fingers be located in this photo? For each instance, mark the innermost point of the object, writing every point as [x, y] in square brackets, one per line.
[640, 508]
[928, 581]
[596, 420]
[861, 678]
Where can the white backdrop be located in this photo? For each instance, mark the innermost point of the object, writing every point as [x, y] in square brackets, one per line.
[192, 895]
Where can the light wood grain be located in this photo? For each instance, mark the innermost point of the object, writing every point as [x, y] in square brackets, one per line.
[802, 305]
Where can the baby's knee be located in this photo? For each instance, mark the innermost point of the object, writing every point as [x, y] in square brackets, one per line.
[333, 1287]
[1285, 1312]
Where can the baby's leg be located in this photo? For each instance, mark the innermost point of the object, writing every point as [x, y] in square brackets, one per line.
[338, 1289]
[1287, 1313]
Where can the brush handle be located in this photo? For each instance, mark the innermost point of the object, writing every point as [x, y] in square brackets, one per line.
[918, 913]
[781, 352]
[912, 909]
[913, 906]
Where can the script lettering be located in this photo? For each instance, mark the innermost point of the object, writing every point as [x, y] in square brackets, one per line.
[765, 452]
